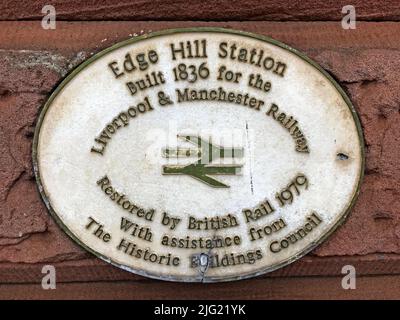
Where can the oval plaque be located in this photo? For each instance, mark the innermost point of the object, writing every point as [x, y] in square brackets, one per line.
[199, 155]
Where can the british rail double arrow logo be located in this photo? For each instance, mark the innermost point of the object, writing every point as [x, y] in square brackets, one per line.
[203, 168]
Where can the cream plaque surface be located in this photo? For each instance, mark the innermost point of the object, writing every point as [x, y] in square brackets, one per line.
[199, 155]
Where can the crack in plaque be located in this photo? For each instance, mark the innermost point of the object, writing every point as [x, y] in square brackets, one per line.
[250, 160]
[204, 268]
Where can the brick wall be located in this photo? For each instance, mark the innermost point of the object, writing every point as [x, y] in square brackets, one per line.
[365, 61]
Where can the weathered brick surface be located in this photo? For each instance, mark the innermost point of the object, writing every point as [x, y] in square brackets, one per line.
[365, 61]
[380, 287]
[371, 78]
[223, 10]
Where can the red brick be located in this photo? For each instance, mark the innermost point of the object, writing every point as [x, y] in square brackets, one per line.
[365, 61]
[225, 10]
[380, 287]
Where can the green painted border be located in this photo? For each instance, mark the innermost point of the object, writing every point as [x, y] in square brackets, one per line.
[199, 278]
